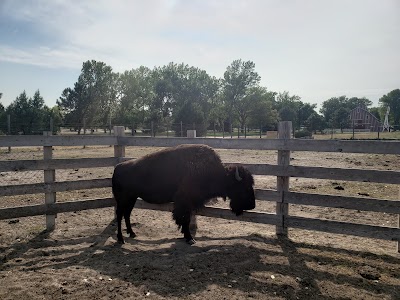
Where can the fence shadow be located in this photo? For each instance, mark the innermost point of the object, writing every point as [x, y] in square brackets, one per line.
[274, 267]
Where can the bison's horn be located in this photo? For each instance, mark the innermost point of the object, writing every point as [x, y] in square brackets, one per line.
[237, 176]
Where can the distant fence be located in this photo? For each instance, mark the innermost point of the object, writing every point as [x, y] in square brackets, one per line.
[13, 126]
[283, 171]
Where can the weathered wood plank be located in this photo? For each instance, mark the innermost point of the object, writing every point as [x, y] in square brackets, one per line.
[351, 146]
[379, 176]
[369, 231]
[73, 163]
[26, 211]
[55, 140]
[219, 143]
[268, 195]
[371, 146]
[357, 203]
[81, 205]
[257, 169]
[348, 146]
[282, 182]
[216, 212]
[22, 211]
[38, 188]
[49, 178]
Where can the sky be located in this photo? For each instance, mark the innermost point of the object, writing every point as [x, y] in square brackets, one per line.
[316, 49]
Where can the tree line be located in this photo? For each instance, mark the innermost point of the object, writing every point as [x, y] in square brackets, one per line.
[179, 93]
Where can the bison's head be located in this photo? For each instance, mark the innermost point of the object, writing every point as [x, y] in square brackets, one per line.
[240, 189]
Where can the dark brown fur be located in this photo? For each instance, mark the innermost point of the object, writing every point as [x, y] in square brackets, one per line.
[188, 175]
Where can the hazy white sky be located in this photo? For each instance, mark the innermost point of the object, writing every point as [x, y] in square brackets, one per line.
[316, 49]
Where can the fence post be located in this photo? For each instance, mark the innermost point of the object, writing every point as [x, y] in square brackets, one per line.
[9, 129]
[214, 129]
[181, 129]
[282, 185]
[51, 125]
[119, 150]
[398, 226]
[49, 177]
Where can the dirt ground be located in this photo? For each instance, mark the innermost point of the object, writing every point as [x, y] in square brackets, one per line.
[231, 259]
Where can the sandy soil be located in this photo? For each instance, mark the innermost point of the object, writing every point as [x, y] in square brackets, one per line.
[231, 259]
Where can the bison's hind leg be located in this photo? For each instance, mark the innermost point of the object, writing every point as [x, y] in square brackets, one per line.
[193, 225]
[120, 214]
[127, 216]
[125, 205]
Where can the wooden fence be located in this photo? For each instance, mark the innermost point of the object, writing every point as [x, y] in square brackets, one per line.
[283, 171]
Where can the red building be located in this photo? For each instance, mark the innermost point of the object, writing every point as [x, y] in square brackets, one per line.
[362, 119]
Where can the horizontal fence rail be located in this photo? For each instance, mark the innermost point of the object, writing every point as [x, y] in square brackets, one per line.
[283, 197]
[371, 146]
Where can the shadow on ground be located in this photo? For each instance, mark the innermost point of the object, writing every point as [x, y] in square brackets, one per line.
[252, 266]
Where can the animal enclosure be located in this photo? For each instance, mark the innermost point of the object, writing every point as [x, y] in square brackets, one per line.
[283, 171]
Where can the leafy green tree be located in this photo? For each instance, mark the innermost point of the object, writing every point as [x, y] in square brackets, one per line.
[28, 113]
[261, 111]
[136, 93]
[354, 102]
[93, 98]
[37, 112]
[53, 114]
[315, 122]
[340, 118]
[74, 106]
[392, 99]
[288, 108]
[377, 112]
[217, 115]
[239, 78]
[183, 94]
[330, 106]
[304, 111]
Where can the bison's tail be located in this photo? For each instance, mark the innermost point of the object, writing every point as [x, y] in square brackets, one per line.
[115, 189]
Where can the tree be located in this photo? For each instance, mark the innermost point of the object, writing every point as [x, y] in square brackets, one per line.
[304, 111]
[37, 111]
[29, 112]
[183, 94]
[392, 99]
[330, 106]
[261, 111]
[288, 108]
[377, 112]
[93, 97]
[239, 78]
[354, 102]
[136, 93]
[55, 115]
[340, 118]
[315, 122]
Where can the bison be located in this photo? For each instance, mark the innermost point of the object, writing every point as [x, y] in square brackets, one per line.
[187, 175]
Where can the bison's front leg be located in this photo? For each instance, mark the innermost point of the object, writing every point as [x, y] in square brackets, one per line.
[181, 216]
[193, 224]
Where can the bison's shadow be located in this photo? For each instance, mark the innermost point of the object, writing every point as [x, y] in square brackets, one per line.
[176, 269]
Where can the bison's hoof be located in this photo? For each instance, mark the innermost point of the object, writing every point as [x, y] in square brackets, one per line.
[120, 240]
[132, 234]
[190, 241]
